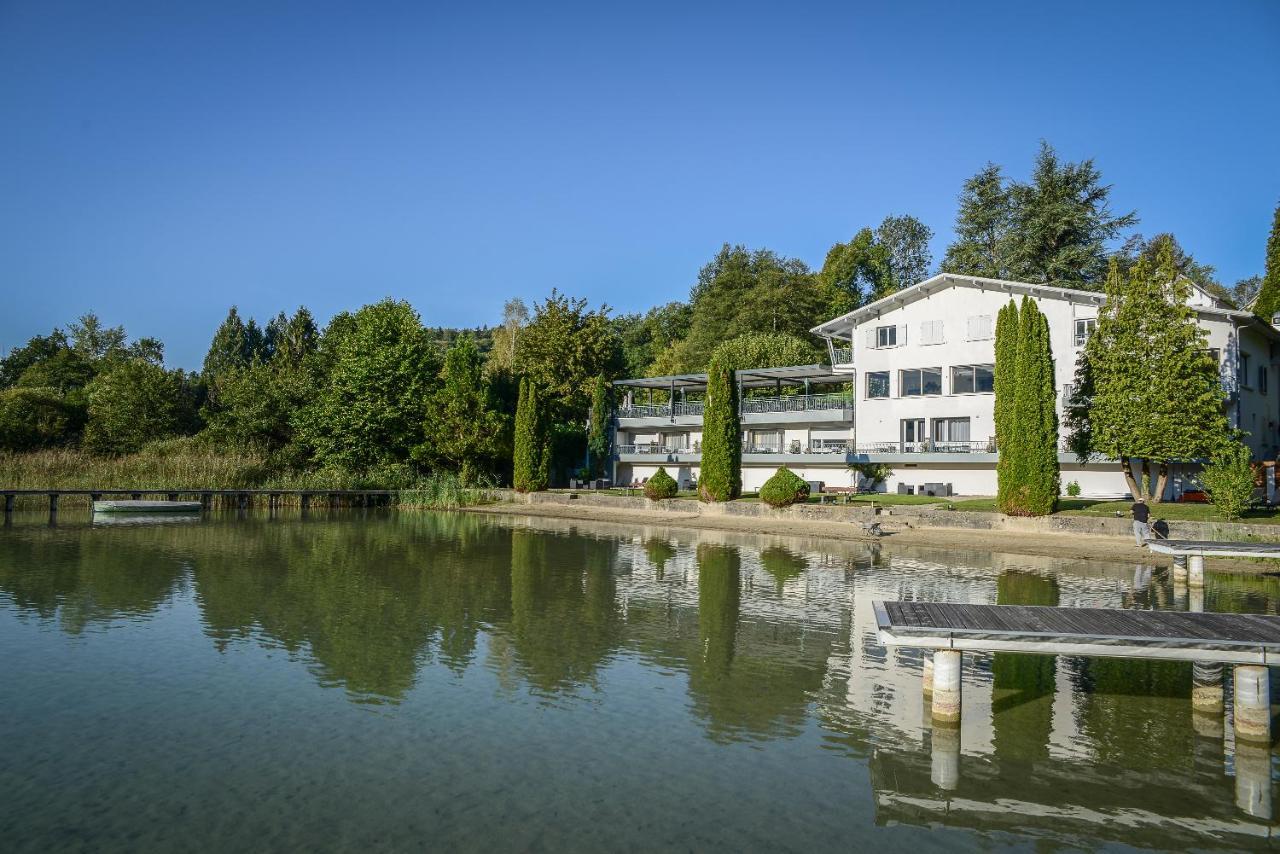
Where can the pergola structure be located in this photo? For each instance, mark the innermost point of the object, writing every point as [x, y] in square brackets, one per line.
[798, 376]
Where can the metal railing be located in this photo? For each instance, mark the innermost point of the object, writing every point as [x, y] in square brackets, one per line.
[690, 408]
[653, 449]
[643, 411]
[842, 356]
[928, 447]
[796, 403]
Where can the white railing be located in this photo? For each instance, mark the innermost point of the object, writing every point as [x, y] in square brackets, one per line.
[643, 411]
[653, 449]
[842, 356]
[928, 447]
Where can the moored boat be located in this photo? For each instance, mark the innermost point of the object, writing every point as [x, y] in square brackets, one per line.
[146, 507]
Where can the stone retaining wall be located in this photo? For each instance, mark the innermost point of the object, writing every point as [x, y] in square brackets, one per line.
[915, 516]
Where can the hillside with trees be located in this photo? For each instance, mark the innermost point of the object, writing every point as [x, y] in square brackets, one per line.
[376, 396]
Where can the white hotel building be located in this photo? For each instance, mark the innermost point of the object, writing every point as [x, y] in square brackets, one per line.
[910, 386]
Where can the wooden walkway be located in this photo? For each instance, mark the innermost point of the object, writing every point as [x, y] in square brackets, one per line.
[358, 497]
[1209, 548]
[1226, 638]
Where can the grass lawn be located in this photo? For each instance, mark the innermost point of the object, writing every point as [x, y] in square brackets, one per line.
[1175, 511]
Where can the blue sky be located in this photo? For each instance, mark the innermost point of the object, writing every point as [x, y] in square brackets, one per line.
[162, 161]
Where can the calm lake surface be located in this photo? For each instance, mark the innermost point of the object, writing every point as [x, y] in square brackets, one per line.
[382, 681]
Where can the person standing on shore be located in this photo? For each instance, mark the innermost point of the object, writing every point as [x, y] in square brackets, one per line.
[1141, 521]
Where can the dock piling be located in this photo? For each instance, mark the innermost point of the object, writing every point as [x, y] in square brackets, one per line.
[946, 685]
[1180, 569]
[1195, 576]
[1206, 687]
[1252, 703]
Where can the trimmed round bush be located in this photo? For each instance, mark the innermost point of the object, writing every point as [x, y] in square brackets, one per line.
[784, 489]
[660, 486]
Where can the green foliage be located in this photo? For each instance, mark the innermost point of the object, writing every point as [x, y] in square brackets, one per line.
[742, 291]
[1052, 229]
[1139, 247]
[446, 490]
[1034, 448]
[530, 460]
[463, 431]
[229, 349]
[1073, 489]
[1229, 480]
[783, 489]
[647, 337]
[721, 471]
[93, 341]
[134, 403]
[906, 242]
[1268, 302]
[1006, 392]
[873, 473]
[854, 273]
[563, 350]
[598, 431]
[32, 418]
[371, 408]
[766, 350]
[1156, 392]
[660, 486]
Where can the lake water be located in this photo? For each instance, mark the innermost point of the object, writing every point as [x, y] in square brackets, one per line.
[384, 682]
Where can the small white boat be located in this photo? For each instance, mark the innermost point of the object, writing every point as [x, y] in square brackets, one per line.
[146, 507]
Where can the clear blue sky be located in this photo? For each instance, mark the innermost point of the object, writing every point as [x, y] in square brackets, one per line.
[161, 161]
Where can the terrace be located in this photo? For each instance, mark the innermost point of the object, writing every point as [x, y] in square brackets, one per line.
[804, 405]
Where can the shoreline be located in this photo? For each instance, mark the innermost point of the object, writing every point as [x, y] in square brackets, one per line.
[1071, 546]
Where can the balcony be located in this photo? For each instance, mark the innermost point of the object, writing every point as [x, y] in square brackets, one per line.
[928, 447]
[831, 406]
[842, 356]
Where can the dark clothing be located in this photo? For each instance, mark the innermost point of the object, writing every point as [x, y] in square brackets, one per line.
[1141, 513]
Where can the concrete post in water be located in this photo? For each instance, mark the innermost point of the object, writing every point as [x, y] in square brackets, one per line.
[944, 757]
[1252, 703]
[1195, 600]
[1206, 688]
[1195, 578]
[53, 505]
[1179, 569]
[1253, 779]
[946, 686]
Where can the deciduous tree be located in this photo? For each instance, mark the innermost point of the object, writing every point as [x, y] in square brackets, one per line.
[463, 431]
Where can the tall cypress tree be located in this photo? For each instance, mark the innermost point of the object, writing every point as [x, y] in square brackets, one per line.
[1156, 392]
[530, 461]
[1035, 419]
[1006, 386]
[598, 430]
[721, 477]
[1268, 302]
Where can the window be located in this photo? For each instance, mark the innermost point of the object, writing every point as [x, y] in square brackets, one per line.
[950, 430]
[1262, 378]
[973, 379]
[1244, 369]
[886, 336]
[1084, 328]
[980, 327]
[931, 332]
[877, 384]
[920, 381]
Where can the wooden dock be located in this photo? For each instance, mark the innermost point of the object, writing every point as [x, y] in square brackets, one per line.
[1116, 632]
[1249, 642]
[238, 498]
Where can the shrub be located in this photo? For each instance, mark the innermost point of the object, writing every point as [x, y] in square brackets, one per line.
[660, 486]
[1228, 478]
[784, 489]
[873, 473]
[1073, 489]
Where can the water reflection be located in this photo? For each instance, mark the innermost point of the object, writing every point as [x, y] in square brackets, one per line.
[770, 640]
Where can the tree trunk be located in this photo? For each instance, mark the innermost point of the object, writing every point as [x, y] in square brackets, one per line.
[1134, 488]
[1161, 479]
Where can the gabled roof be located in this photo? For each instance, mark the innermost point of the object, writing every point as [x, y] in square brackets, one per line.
[1206, 304]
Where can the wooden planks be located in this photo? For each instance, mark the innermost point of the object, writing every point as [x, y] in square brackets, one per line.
[1209, 548]
[1081, 631]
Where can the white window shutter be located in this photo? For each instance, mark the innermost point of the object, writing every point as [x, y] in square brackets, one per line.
[902, 335]
[871, 338]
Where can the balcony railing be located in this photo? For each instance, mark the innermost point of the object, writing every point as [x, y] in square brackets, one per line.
[662, 450]
[842, 356]
[796, 403]
[749, 405]
[928, 447]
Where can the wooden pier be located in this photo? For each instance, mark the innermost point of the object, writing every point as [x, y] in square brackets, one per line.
[237, 498]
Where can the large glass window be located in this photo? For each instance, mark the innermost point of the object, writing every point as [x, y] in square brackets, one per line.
[1084, 328]
[951, 430]
[877, 384]
[973, 379]
[920, 381]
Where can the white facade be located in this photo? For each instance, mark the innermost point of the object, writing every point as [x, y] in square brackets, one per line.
[920, 362]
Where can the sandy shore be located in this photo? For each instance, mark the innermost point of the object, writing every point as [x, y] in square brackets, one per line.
[1072, 546]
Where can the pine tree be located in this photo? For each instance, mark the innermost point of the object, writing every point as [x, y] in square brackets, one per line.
[228, 350]
[598, 431]
[463, 431]
[721, 474]
[1035, 419]
[982, 246]
[1156, 391]
[530, 460]
[1006, 385]
[1268, 302]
